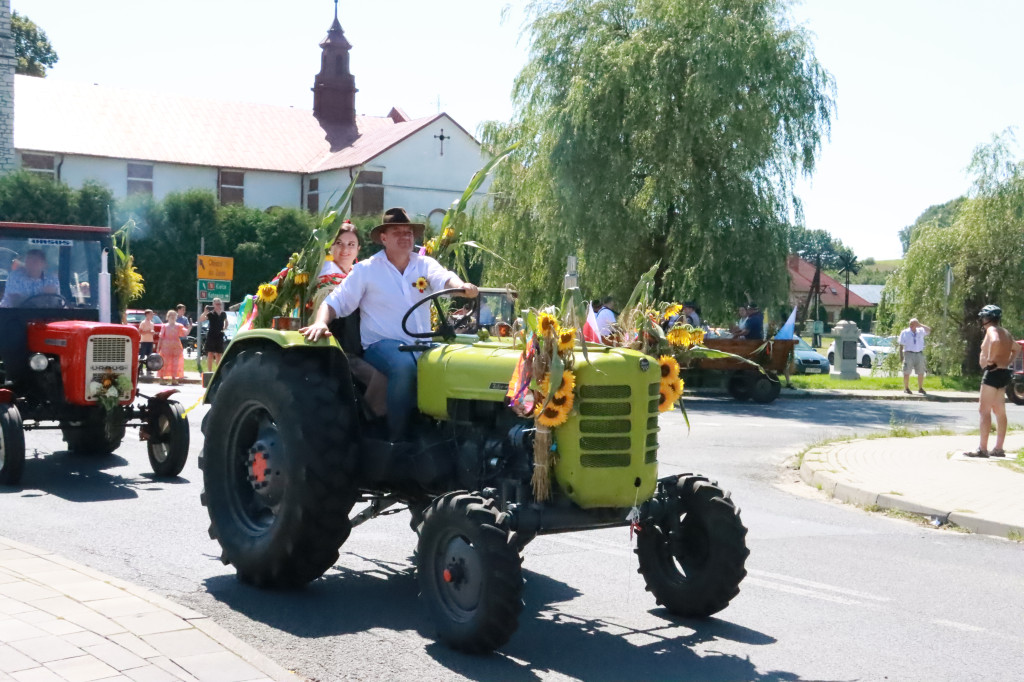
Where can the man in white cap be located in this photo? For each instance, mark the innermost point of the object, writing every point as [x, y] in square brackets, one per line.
[383, 288]
[911, 342]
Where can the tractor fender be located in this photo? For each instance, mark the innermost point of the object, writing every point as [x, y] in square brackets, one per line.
[333, 357]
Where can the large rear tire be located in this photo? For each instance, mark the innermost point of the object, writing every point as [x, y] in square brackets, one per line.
[470, 573]
[765, 389]
[692, 557]
[12, 445]
[277, 468]
[168, 438]
[739, 385]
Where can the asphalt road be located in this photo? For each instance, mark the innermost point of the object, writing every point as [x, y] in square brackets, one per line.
[833, 592]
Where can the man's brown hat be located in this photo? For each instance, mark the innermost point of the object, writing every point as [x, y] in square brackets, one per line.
[396, 216]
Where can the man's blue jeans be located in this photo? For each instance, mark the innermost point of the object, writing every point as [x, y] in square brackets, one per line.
[400, 369]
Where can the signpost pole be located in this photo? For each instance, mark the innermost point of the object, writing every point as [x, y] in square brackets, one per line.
[199, 311]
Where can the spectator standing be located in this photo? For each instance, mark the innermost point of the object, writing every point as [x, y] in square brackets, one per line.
[606, 318]
[169, 347]
[997, 352]
[218, 320]
[147, 330]
[183, 320]
[911, 342]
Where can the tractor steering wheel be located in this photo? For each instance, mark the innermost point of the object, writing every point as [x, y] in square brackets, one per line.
[61, 301]
[446, 329]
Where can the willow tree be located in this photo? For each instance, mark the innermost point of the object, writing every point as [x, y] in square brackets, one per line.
[659, 130]
[982, 252]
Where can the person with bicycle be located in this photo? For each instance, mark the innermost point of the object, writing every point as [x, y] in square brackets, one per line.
[383, 288]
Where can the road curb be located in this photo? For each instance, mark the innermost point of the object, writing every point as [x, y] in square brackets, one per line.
[815, 473]
[832, 394]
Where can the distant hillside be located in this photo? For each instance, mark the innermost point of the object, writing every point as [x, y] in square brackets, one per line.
[874, 273]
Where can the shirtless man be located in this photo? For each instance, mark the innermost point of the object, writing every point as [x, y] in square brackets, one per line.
[997, 352]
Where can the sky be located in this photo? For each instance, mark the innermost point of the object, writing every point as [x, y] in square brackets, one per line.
[920, 83]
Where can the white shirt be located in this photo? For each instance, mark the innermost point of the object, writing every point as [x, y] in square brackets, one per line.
[330, 268]
[383, 295]
[911, 341]
[605, 320]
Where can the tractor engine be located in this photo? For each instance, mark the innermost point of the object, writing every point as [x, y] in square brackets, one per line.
[606, 451]
[75, 357]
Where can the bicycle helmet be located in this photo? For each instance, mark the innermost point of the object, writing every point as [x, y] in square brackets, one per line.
[992, 312]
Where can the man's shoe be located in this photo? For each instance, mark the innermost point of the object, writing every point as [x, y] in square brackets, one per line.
[997, 452]
[921, 391]
[907, 391]
[977, 453]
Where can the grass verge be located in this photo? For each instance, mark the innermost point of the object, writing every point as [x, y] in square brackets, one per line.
[880, 383]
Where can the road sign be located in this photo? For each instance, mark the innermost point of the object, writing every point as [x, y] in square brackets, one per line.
[209, 289]
[215, 267]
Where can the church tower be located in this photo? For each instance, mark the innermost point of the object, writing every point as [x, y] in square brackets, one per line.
[334, 90]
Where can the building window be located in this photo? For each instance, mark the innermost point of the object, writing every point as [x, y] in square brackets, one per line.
[231, 187]
[43, 164]
[313, 196]
[140, 179]
[368, 197]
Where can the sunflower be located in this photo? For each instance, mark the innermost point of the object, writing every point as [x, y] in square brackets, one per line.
[430, 247]
[420, 284]
[447, 234]
[566, 339]
[669, 368]
[266, 293]
[671, 312]
[568, 384]
[552, 416]
[301, 278]
[548, 325]
[680, 336]
[697, 337]
[669, 394]
[558, 408]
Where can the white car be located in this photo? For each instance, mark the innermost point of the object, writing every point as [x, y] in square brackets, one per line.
[871, 350]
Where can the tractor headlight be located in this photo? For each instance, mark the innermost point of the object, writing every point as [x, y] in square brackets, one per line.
[154, 361]
[645, 364]
[38, 362]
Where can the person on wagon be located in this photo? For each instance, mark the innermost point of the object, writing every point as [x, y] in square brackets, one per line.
[383, 288]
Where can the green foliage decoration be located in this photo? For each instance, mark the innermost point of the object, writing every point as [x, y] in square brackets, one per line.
[658, 130]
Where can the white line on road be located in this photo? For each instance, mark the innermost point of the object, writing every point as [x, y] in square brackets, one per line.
[790, 589]
[817, 585]
[964, 627]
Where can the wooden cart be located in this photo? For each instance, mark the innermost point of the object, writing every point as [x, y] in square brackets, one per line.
[743, 380]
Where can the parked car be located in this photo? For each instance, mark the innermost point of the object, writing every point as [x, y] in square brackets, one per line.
[809, 361]
[871, 350]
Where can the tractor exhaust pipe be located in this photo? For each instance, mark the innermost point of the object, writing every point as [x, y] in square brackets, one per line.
[104, 288]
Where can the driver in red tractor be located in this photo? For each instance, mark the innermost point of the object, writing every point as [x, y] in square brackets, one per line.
[382, 288]
[29, 281]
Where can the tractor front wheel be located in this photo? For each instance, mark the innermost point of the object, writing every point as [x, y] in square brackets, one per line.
[470, 574]
[692, 555]
[168, 438]
[1015, 391]
[12, 445]
[99, 433]
[277, 468]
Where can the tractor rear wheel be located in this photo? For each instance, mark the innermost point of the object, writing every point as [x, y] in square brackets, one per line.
[99, 433]
[12, 445]
[168, 438]
[470, 574]
[765, 389]
[277, 468]
[692, 557]
[739, 385]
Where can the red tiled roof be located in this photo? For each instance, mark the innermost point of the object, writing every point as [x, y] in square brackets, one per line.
[91, 120]
[801, 274]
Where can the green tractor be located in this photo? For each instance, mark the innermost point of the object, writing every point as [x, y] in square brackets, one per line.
[291, 447]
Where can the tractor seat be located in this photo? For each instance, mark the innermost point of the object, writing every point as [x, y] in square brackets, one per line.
[372, 383]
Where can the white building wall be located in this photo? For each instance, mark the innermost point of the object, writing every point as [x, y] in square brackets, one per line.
[76, 170]
[169, 178]
[264, 189]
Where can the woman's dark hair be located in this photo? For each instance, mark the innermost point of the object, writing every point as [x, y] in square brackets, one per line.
[347, 227]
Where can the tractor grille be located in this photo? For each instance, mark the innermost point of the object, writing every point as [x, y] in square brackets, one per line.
[606, 442]
[109, 349]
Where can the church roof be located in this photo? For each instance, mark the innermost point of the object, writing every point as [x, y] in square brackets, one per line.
[91, 120]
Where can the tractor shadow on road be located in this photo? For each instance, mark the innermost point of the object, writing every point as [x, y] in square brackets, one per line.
[82, 478]
[385, 595]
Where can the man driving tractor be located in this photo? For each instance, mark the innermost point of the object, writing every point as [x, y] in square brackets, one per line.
[383, 288]
[29, 281]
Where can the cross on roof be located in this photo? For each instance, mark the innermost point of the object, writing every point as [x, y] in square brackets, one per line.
[442, 137]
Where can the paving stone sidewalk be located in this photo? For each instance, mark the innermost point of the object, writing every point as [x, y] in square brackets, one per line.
[63, 621]
[926, 475]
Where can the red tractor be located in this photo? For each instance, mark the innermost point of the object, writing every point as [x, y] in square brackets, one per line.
[63, 364]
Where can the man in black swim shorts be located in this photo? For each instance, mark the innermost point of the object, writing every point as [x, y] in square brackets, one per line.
[997, 352]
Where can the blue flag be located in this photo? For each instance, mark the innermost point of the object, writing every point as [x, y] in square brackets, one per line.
[789, 329]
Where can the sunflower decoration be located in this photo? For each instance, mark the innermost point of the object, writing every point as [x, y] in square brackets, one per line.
[671, 312]
[420, 284]
[267, 293]
[566, 339]
[548, 325]
[671, 388]
[448, 234]
[430, 247]
[558, 408]
[301, 278]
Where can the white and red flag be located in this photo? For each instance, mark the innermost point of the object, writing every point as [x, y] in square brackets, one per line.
[590, 327]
